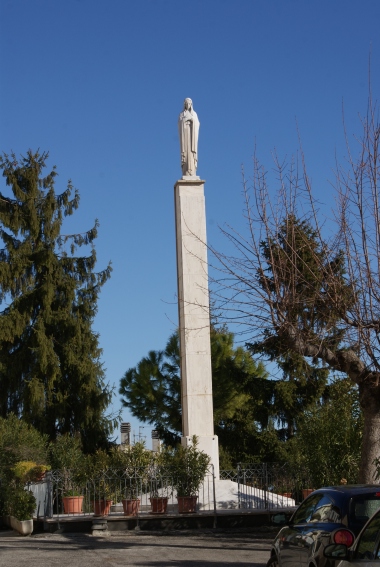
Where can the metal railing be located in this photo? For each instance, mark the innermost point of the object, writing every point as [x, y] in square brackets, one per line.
[62, 493]
[268, 485]
[254, 486]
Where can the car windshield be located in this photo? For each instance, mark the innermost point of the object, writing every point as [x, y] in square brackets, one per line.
[361, 509]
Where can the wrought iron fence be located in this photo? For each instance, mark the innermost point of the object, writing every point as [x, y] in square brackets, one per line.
[259, 486]
[268, 485]
[63, 493]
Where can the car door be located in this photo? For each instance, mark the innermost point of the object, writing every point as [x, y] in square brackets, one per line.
[366, 549]
[316, 534]
[291, 536]
[366, 552]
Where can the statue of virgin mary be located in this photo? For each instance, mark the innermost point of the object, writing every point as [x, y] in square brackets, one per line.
[188, 125]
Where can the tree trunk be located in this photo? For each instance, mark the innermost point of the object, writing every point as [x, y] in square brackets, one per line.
[370, 403]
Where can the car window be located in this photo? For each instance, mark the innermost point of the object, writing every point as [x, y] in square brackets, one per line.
[366, 547]
[362, 507]
[326, 511]
[305, 511]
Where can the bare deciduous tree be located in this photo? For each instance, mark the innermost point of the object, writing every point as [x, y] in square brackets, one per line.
[304, 285]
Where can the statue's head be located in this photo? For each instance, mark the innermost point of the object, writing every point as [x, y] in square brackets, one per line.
[188, 104]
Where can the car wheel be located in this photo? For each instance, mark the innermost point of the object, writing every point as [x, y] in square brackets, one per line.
[273, 562]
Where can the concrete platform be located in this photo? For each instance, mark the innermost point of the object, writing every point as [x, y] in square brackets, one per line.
[228, 519]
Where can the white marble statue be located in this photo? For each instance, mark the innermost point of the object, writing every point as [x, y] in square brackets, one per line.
[188, 125]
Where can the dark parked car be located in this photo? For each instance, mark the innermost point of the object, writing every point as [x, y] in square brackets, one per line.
[335, 514]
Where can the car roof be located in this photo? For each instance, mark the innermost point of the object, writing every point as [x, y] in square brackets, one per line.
[352, 488]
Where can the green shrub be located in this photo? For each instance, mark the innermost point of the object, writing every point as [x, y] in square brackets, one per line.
[133, 462]
[188, 465]
[19, 503]
[28, 471]
[66, 455]
[19, 442]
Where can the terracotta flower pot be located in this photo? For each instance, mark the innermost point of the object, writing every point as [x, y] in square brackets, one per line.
[159, 504]
[131, 507]
[306, 492]
[72, 504]
[40, 477]
[287, 494]
[102, 507]
[187, 504]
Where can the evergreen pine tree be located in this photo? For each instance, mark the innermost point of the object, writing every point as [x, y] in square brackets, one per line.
[242, 395]
[298, 275]
[50, 369]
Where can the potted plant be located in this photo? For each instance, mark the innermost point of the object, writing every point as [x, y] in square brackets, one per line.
[160, 482]
[72, 465]
[306, 492]
[159, 504]
[132, 465]
[19, 443]
[19, 504]
[189, 467]
[29, 471]
[74, 482]
[72, 494]
[103, 498]
[19, 508]
[101, 482]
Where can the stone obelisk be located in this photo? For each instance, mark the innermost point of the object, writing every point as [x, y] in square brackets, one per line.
[193, 296]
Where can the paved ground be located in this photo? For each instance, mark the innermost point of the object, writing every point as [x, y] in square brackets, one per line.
[132, 549]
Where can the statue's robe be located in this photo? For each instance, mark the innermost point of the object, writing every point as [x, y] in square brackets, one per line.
[188, 135]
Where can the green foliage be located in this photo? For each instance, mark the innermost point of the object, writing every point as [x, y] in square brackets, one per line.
[133, 457]
[302, 385]
[152, 390]
[188, 465]
[299, 268]
[241, 394]
[133, 462]
[19, 503]
[101, 472]
[67, 456]
[66, 452]
[50, 369]
[297, 280]
[329, 437]
[28, 471]
[19, 441]
[225, 460]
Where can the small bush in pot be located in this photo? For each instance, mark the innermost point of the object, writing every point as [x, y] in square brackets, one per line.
[160, 481]
[19, 503]
[132, 465]
[102, 482]
[188, 466]
[67, 457]
[18, 442]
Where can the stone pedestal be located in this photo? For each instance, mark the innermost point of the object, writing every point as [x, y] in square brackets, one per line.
[194, 317]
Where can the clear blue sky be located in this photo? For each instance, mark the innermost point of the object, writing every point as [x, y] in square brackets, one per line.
[100, 84]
